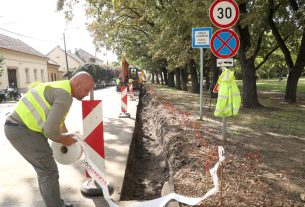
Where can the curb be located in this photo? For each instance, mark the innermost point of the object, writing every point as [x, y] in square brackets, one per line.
[168, 187]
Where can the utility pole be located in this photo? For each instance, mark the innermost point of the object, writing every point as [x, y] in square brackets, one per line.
[68, 74]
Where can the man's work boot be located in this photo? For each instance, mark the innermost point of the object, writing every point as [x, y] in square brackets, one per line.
[68, 205]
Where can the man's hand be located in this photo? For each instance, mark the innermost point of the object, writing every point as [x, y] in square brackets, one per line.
[68, 139]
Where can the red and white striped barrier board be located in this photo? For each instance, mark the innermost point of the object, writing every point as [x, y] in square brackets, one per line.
[93, 132]
[124, 113]
[124, 99]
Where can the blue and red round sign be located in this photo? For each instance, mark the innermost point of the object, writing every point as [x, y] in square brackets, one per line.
[224, 43]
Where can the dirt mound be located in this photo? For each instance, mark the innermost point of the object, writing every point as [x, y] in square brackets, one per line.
[170, 144]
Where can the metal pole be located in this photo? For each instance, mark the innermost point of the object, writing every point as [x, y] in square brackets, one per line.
[68, 74]
[92, 95]
[201, 81]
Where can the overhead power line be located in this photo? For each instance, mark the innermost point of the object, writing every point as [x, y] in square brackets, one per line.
[28, 36]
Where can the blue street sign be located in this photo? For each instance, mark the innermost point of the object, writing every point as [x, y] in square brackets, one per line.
[201, 37]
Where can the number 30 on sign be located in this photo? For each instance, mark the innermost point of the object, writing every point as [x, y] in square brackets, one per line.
[224, 13]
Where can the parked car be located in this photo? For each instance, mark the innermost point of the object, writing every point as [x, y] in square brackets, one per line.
[100, 84]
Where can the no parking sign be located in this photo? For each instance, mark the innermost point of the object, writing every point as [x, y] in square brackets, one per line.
[224, 43]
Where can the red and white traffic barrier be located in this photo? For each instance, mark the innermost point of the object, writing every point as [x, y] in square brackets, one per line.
[93, 133]
[124, 113]
[131, 92]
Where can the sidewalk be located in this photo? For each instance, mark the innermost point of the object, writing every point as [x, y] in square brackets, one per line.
[19, 187]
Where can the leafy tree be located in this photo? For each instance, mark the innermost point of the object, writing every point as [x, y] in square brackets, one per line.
[286, 17]
[251, 32]
[100, 73]
[156, 35]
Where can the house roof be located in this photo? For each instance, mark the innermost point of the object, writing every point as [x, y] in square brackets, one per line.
[52, 62]
[75, 57]
[68, 53]
[17, 45]
[85, 56]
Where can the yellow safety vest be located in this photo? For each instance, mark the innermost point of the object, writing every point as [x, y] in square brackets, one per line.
[33, 108]
[117, 81]
[142, 77]
[228, 101]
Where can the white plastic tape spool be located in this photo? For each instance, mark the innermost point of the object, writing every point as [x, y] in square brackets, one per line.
[66, 155]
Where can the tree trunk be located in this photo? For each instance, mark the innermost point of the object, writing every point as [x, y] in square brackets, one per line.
[178, 80]
[171, 79]
[295, 73]
[250, 99]
[157, 78]
[152, 78]
[215, 75]
[183, 74]
[214, 68]
[165, 75]
[194, 76]
[295, 69]
[207, 78]
[161, 76]
[291, 87]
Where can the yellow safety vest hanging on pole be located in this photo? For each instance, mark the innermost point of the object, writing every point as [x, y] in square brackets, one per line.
[228, 101]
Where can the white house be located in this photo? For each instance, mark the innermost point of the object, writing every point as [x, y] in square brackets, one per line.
[22, 64]
[87, 57]
[53, 74]
[58, 55]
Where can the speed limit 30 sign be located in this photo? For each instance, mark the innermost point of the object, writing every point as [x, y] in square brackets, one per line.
[224, 13]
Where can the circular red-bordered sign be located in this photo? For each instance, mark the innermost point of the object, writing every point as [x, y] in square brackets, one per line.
[224, 43]
[224, 13]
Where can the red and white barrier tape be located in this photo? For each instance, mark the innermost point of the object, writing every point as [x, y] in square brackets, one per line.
[100, 178]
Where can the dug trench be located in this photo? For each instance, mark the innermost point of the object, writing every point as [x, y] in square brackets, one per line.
[147, 168]
[159, 152]
[170, 144]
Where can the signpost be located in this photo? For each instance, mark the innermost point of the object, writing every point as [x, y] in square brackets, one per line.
[201, 39]
[225, 42]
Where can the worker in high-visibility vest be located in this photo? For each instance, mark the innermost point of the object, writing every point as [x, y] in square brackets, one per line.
[228, 101]
[38, 116]
[141, 77]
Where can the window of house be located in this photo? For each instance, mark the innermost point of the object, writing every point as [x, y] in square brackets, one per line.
[27, 75]
[42, 76]
[35, 75]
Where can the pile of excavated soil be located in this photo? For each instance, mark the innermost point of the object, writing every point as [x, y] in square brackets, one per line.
[171, 145]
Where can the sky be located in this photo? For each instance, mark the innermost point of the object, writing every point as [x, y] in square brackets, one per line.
[38, 24]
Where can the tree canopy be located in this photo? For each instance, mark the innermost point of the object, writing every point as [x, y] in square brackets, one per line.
[156, 34]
